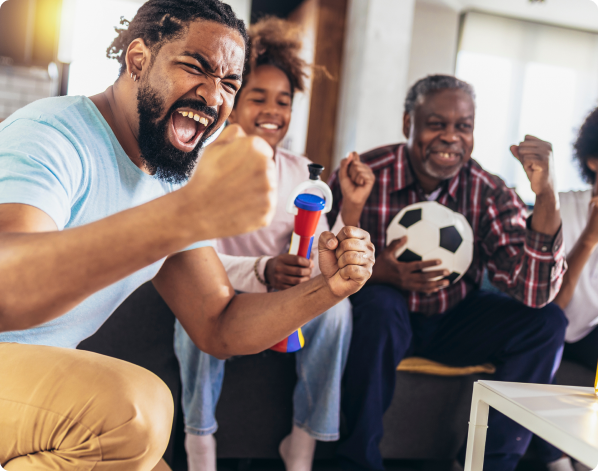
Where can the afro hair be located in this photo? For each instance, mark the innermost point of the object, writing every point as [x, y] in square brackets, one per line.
[586, 146]
[277, 42]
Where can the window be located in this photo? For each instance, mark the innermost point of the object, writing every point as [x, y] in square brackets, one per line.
[92, 25]
[529, 79]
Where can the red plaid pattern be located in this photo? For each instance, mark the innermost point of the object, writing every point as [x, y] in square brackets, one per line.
[527, 265]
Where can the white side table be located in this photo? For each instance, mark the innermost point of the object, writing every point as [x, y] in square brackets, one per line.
[566, 416]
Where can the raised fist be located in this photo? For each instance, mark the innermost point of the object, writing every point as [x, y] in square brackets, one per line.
[356, 180]
[233, 188]
[536, 157]
[346, 260]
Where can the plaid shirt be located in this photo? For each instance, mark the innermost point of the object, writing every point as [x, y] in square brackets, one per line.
[527, 265]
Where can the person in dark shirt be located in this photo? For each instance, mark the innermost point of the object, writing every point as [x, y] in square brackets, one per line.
[403, 311]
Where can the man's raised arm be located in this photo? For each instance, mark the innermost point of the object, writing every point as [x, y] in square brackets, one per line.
[44, 273]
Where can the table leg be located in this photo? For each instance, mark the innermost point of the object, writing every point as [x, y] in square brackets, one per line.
[476, 437]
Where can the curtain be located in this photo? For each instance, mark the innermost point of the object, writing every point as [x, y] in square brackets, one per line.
[529, 78]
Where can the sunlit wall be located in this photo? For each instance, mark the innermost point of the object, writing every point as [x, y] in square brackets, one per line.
[92, 25]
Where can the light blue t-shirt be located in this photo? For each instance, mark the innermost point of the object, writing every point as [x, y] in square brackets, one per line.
[60, 155]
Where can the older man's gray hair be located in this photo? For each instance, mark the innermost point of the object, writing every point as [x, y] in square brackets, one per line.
[431, 84]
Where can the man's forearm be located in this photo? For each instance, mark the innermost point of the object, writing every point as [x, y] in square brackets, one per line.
[44, 275]
[351, 213]
[547, 216]
[252, 321]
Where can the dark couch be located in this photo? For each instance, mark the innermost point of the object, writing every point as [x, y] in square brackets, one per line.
[426, 421]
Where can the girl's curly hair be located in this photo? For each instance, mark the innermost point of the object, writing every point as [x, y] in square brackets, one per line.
[277, 42]
[158, 21]
[586, 146]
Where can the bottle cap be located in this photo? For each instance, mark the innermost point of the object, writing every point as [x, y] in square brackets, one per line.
[314, 171]
[310, 202]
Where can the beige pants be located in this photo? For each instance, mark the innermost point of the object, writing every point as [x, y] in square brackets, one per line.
[68, 410]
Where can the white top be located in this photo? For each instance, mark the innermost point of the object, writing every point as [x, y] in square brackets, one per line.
[582, 311]
[238, 254]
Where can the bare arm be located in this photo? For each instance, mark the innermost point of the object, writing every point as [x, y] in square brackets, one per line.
[579, 256]
[44, 273]
[195, 286]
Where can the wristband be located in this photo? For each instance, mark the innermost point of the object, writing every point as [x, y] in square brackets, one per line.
[256, 272]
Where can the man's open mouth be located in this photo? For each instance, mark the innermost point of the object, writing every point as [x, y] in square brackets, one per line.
[446, 158]
[187, 127]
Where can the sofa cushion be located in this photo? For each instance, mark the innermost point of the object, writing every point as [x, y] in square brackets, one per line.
[429, 367]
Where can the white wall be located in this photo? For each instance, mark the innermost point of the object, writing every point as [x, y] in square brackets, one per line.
[374, 74]
[20, 86]
[434, 41]
[306, 15]
[242, 9]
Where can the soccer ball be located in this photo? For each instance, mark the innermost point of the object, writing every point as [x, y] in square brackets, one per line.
[433, 232]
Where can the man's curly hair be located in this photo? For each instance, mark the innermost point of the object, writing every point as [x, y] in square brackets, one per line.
[277, 42]
[159, 21]
[586, 146]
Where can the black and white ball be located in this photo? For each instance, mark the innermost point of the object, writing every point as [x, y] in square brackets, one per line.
[433, 232]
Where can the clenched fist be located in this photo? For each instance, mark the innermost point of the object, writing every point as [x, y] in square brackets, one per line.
[233, 188]
[356, 180]
[536, 157]
[346, 260]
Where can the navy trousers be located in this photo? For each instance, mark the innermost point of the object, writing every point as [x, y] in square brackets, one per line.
[521, 342]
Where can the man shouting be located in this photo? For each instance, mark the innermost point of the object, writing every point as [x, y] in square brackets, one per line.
[92, 205]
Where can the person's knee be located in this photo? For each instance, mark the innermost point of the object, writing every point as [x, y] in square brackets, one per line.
[555, 321]
[156, 413]
[338, 318]
[154, 410]
[381, 306]
[551, 325]
[139, 414]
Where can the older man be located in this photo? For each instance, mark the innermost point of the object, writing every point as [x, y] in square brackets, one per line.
[404, 311]
[92, 206]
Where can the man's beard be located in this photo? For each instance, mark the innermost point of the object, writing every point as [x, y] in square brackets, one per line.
[160, 157]
[440, 173]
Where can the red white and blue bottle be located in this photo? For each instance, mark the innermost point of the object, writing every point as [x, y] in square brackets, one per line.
[307, 209]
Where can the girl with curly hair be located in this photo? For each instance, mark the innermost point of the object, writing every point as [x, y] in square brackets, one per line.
[578, 296]
[259, 262]
[579, 211]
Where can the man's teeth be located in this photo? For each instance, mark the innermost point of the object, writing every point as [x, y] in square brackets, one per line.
[268, 126]
[196, 117]
[446, 155]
